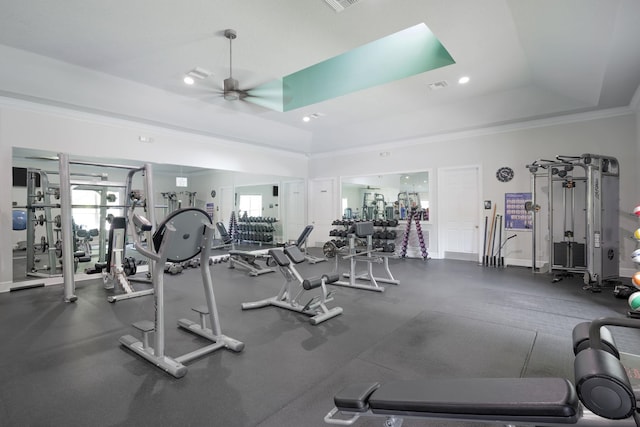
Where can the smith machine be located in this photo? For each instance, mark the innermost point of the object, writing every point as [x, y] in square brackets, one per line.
[65, 205]
[39, 212]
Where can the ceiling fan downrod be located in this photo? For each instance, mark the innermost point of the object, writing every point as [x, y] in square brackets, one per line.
[230, 84]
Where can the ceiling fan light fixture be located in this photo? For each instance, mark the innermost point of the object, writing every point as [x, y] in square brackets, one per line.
[188, 80]
[231, 92]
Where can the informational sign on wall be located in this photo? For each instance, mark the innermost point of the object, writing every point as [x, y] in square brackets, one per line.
[209, 209]
[516, 216]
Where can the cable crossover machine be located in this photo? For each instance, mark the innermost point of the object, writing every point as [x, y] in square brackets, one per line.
[580, 195]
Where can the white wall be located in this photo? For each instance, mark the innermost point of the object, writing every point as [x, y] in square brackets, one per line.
[615, 134]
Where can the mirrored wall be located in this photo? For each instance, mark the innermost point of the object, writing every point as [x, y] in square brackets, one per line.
[388, 196]
[280, 201]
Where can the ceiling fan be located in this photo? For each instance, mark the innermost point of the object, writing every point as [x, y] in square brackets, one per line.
[266, 96]
[232, 91]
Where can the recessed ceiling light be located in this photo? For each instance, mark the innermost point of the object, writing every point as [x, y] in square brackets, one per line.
[463, 80]
[312, 116]
[197, 73]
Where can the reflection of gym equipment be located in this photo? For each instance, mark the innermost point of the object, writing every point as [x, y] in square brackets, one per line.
[602, 395]
[413, 218]
[118, 268]
[582, 215]
[408, 201]
[84, 238]
[66, 184]
[244, 259]
[184, 234]
[226, 238]
[358, 253]
[295, 286]
[248, 261]
[40, 201]
[373, 206]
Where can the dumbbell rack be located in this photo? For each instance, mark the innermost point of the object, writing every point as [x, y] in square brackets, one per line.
[385, 234]
[233, 226]
[413, 218]
[255, 230]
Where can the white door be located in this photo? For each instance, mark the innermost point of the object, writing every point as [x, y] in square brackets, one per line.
[458, 212]
[322, 209]
[294, 209]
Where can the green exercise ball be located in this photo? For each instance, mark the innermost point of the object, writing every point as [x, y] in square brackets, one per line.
[634, 301]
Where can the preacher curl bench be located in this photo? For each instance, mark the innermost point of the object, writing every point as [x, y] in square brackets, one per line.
[602, 395]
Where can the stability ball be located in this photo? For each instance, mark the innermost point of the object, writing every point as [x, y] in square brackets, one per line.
[634, 300]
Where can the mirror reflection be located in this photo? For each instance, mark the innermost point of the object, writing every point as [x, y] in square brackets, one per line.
[281, 200]
[388, 196]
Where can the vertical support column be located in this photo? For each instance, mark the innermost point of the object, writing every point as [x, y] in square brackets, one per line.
[31, 225]
[51, 250]
[214, 319]
[533, 221]
[102, 229]
[67, 229]
[151, 210]
[594, 228]
[550, 216]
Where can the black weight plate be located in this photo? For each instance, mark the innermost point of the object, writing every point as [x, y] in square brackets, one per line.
[189, 225]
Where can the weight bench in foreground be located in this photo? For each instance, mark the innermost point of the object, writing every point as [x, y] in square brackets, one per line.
[602, 395]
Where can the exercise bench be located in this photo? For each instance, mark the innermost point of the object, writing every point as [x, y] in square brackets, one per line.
[602, 395]
[295, 286]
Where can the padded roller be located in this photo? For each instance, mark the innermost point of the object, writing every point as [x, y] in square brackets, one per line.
[581, 339]
[603, 385]
[311, 283]
[331, 277]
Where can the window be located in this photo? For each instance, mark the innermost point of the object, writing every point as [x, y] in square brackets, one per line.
[251, 204]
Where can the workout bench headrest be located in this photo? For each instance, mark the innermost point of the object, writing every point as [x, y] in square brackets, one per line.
[363, 229]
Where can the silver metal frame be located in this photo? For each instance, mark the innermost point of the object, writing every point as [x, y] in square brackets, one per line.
[290, 294]
[156, 354]
[601, 217]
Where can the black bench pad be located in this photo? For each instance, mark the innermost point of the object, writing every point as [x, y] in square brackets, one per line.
[354, 397]
[279, 257]
[526, 399]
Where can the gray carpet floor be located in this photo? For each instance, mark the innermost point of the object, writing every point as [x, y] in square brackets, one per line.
[61, 364]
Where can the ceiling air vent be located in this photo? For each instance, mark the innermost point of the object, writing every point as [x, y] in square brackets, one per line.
[438, 85]
[340, 5]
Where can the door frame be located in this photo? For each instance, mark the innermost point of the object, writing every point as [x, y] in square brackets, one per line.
[478, 208]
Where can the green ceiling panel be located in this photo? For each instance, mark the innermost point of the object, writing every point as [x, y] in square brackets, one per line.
[397, 56]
